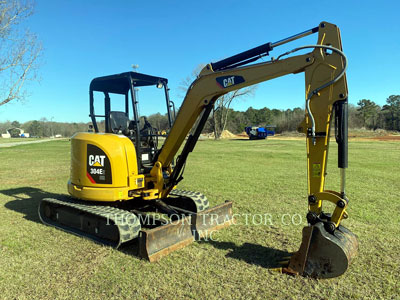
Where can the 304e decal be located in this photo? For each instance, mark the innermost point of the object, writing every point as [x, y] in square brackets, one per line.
[228, 81]
[98, 168]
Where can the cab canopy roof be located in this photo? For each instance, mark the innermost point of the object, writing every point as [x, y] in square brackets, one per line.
[121, 83]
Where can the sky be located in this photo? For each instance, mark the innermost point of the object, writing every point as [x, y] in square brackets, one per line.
[87, 39]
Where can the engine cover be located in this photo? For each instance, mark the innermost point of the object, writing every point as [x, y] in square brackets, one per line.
[103, 167]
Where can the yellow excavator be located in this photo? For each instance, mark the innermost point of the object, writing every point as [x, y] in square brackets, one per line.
[123, 185]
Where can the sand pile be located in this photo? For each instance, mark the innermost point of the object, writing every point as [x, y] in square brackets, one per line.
[226, 134]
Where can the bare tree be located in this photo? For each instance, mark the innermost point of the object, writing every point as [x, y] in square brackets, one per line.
[221, 107]
[19, 49]
[186, 82]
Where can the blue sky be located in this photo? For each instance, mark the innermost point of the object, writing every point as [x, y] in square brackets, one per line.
[87, 39]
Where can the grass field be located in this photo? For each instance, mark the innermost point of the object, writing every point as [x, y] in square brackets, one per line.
[261, 177]
[17, 140]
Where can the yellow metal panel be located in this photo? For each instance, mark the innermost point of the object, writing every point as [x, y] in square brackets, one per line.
[121, 154]
[326, 67]
[98, 194]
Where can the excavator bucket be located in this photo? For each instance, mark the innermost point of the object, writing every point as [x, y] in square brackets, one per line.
[160, 241]
[322, 254]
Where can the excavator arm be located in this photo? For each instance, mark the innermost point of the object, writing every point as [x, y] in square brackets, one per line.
[320, 68]
[327, 247]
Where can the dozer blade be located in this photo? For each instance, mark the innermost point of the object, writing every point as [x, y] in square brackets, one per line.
[322, 254]
[160, 241]
[212, 219]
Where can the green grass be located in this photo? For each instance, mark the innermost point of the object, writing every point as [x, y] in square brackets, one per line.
[17, 140]
[261, 177]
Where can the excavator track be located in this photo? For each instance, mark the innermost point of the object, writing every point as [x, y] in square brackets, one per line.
[206, 219]
[105, 224]
[198, 199]
[156, 238]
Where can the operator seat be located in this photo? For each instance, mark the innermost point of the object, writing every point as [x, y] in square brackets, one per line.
[119, 122]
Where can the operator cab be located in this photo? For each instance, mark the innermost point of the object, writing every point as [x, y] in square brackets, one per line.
[128, 123]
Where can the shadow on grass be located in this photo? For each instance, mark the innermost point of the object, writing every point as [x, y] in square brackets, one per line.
[241, 139]
[254, 254]
[247, 139]
[26, 201]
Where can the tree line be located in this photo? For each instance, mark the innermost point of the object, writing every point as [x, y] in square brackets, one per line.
[373, 116]
[367, 114]
[44, 128]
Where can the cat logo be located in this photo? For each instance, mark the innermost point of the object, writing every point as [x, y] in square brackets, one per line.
[98, 167]
[96, 160]
[228, 81]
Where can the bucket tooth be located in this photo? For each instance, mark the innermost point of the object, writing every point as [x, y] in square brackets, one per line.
[322, 254]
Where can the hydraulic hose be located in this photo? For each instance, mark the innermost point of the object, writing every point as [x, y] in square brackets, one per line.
[316, 91]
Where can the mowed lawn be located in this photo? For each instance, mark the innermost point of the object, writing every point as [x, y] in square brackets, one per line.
[17, 140]
[266, 180]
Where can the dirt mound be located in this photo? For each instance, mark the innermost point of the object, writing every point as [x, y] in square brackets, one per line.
[226, 134]
[243, 134]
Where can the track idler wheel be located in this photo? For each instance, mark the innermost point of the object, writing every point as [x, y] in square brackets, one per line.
[323, 254]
